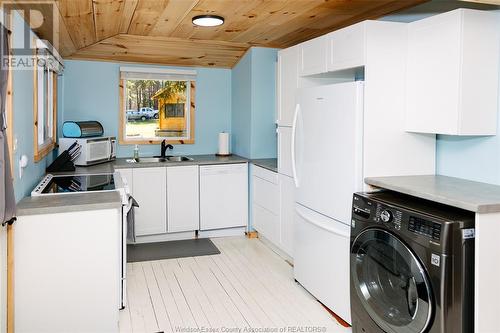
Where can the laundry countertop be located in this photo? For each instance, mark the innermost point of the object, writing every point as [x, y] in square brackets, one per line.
[466, 194]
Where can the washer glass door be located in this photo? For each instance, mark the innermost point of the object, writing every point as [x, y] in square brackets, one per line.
[390, 282]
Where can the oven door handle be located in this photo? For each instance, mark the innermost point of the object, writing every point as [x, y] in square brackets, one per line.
[111, 149]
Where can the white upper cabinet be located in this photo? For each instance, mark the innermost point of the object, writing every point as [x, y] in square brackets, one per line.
[346, 47]
[312, 56]
[452, 80]
[287, 84]
[183, 208]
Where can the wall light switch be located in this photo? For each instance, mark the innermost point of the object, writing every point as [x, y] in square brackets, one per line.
[23, 163]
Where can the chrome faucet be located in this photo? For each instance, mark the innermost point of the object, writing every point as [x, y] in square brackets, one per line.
[164, 147]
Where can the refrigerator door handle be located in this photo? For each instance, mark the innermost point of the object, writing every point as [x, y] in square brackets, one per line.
[325, 225]
[294, 130]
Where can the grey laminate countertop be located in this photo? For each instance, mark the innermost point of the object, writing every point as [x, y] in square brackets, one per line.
[121, 163]
[49, 204]
[469, 195]
[267, 163]
[64, 203]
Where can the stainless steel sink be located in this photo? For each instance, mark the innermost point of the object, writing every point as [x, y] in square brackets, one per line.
[157, 159]
[179, 158]
[151, 159]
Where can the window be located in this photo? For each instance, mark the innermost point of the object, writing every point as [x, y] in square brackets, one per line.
[45, 102]
[9, 110]
[155, 105]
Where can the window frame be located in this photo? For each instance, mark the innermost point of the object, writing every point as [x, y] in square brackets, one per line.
[122, 138]
[9, 109]
[43, 149]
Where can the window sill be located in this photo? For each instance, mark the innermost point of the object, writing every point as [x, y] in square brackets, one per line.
[43, 151]
[156, 142]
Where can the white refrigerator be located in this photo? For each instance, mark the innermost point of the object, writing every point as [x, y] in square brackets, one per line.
[327, 152]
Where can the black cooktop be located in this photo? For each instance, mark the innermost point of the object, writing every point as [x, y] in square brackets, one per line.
[79, 183]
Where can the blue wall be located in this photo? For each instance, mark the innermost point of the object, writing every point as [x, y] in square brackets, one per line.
[241, 101]
[22, 100]
[254, 103]
[241, 85]
[264, 63]
[90, 92]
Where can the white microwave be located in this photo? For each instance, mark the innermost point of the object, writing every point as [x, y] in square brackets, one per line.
[92, 151]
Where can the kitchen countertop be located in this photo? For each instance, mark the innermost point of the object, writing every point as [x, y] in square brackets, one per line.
[469, 195]
[121, 163]
[52, 204]
[270, 164]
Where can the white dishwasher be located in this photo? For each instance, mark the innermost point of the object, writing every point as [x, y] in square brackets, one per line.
[223, 196]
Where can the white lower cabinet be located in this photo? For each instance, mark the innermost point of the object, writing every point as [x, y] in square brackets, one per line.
[273, 207]
[265, 204]
[168, 199]
[287, 209]
[150, 191]
[175, 201]
[183, 209]
[266, 223]
[223, 196]
[67, 271]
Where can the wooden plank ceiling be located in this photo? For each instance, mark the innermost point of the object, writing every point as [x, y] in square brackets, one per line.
[161, 32]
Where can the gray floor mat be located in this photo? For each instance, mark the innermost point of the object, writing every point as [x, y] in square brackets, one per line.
[171, 250]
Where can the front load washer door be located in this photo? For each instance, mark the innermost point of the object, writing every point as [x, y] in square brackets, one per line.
[391, 282]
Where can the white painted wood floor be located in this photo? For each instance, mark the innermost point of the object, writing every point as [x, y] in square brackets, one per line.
[246, 286]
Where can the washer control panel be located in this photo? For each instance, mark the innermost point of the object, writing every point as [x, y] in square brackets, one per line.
[388, 216]
[391, 217]
[424, 227]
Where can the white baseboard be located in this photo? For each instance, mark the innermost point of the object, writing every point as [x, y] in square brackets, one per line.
[239, 231]
[165, 237]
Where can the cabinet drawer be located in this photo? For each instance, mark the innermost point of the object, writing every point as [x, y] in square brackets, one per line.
[265, 174]
[266, 223]
[266, 194]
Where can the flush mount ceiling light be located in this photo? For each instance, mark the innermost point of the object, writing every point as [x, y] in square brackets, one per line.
[208, 20]
[488, 2]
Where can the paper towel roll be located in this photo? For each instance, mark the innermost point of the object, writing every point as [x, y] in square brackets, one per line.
[224, 143]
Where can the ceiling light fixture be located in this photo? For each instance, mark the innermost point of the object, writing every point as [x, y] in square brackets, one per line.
[208, 20]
